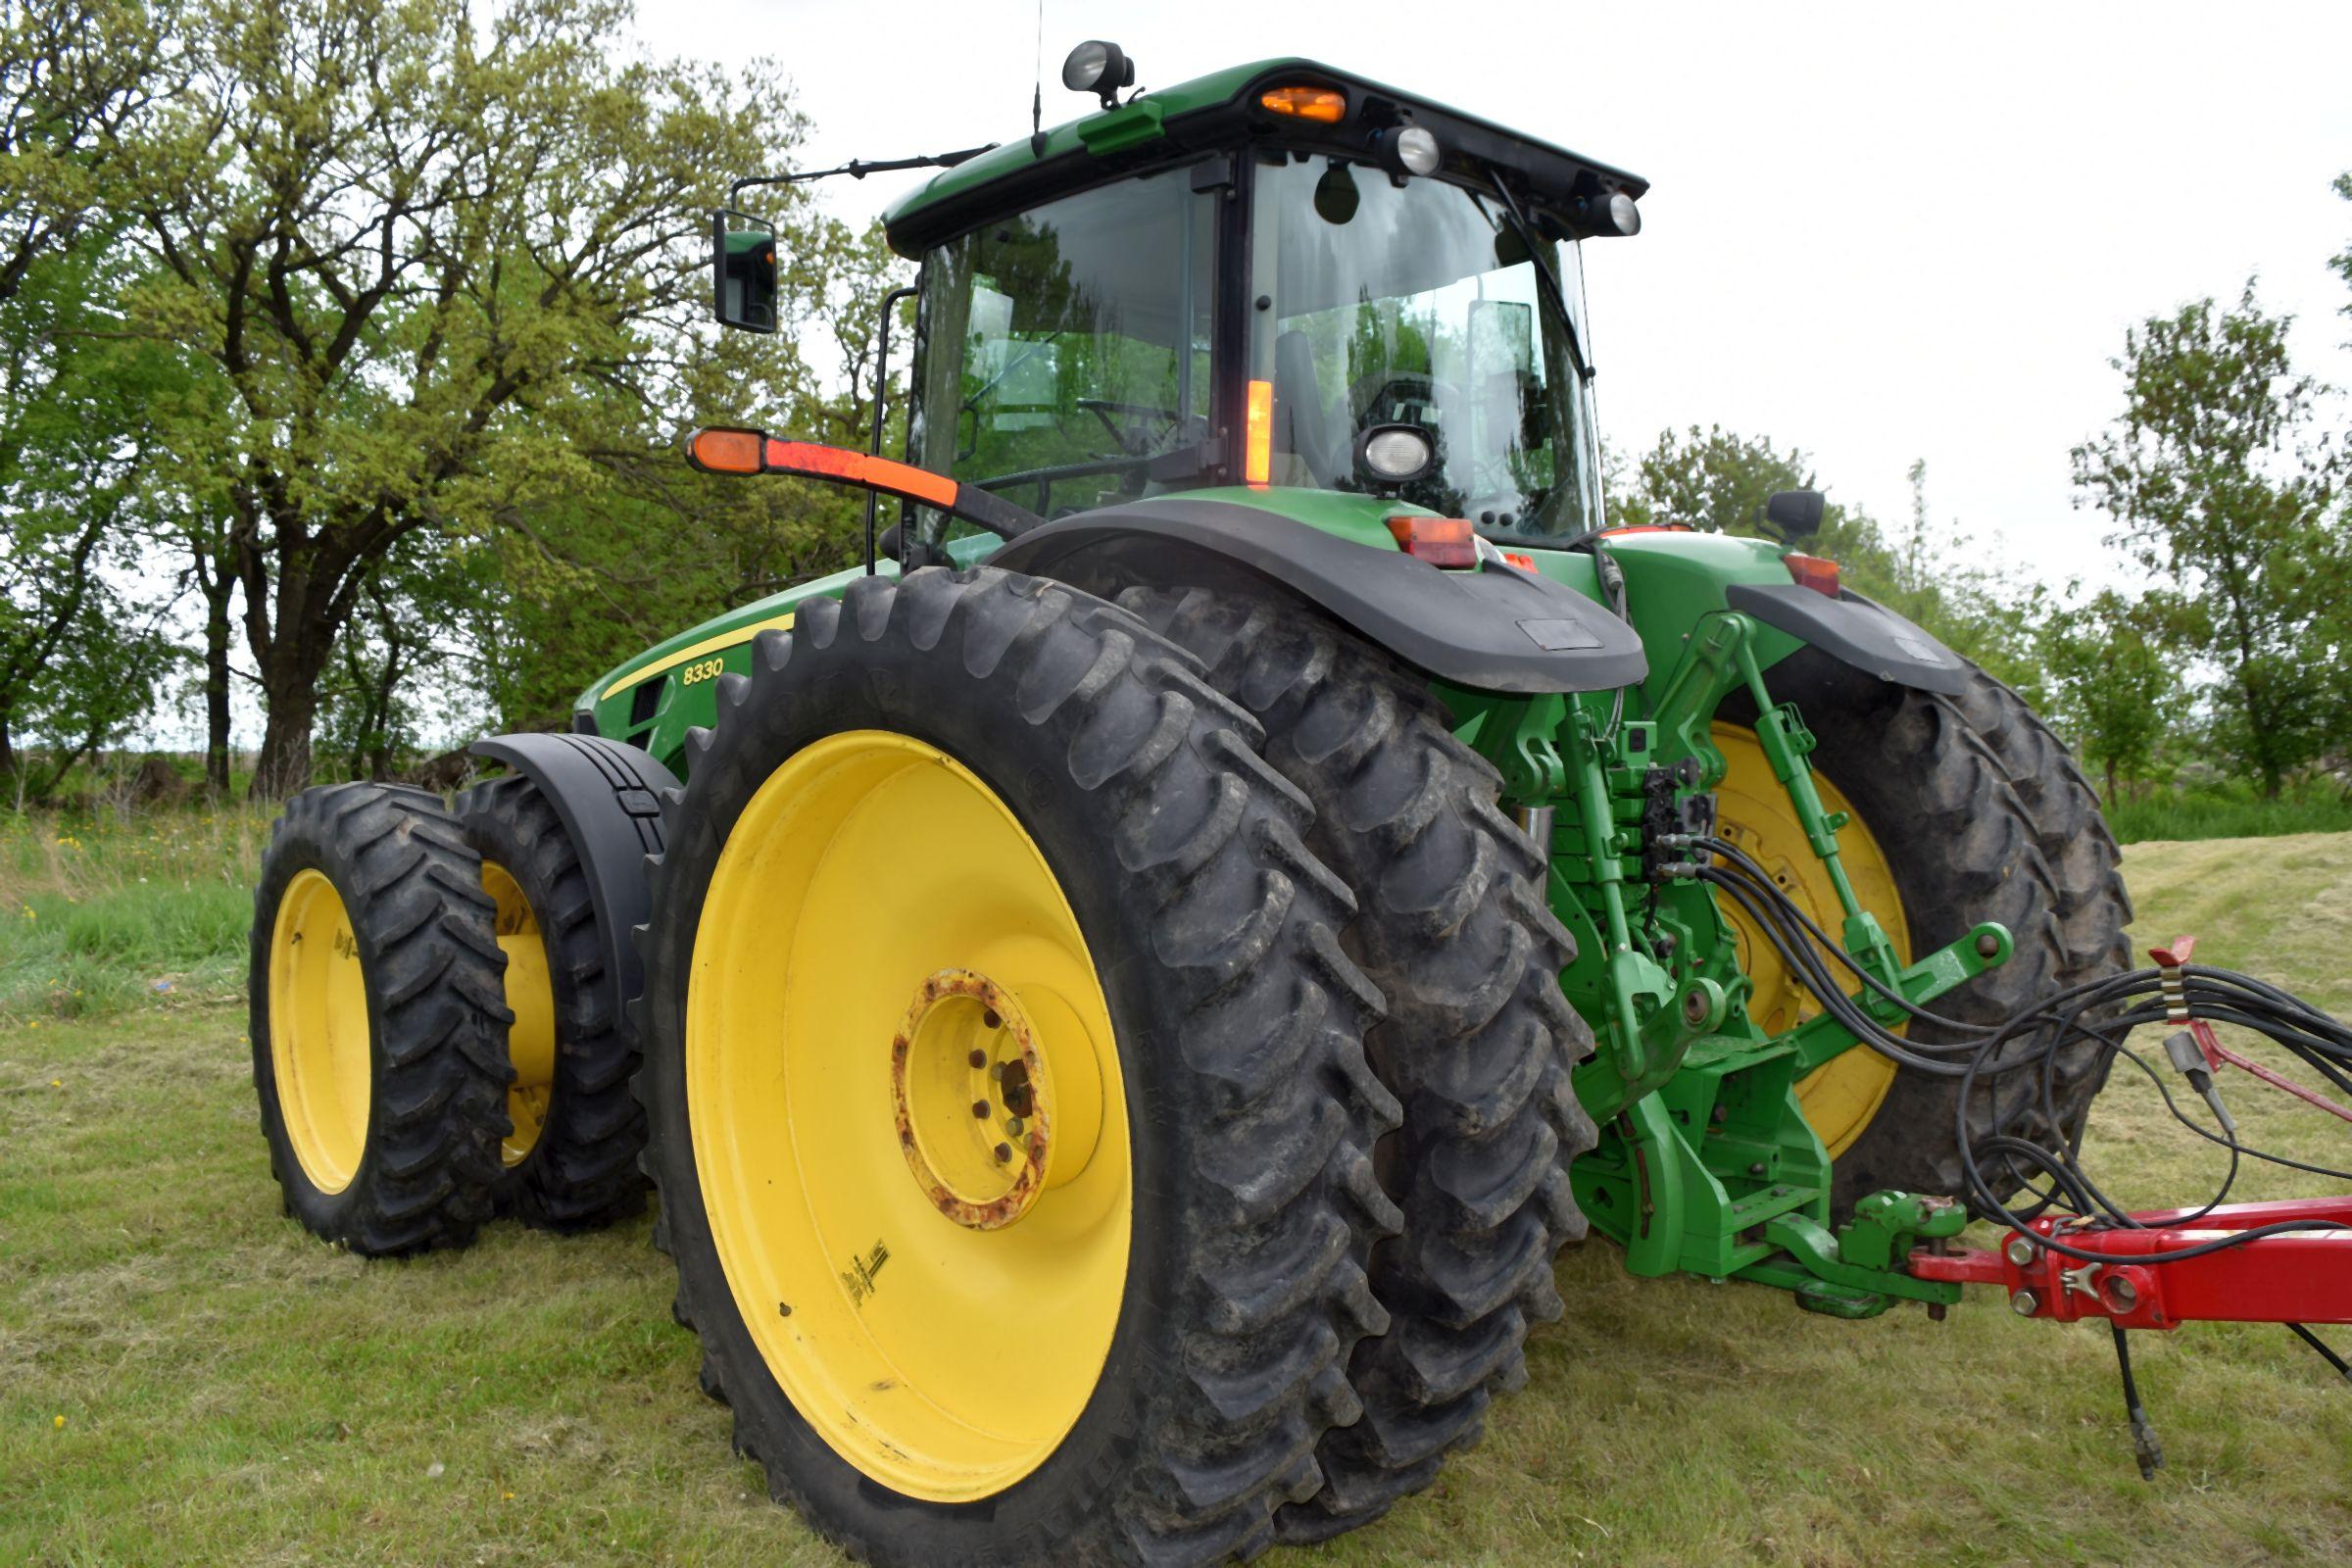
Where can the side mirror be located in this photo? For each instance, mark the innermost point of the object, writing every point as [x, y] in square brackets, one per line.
[742, 271]
[1794, 514]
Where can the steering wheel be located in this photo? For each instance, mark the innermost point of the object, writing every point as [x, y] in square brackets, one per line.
[1134, 443]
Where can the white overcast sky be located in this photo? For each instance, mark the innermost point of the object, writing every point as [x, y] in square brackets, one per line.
[1878, 231]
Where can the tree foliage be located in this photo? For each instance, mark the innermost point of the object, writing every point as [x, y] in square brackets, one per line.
[2220, 486]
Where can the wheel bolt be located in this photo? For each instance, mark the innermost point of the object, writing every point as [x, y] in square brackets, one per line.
[1004, 1154]
[991, 1019]
[978, 1057]
[1012, 1126]
[980, 1109]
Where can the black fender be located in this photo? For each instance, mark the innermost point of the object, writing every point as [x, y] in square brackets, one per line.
[1500, 629]
[1856, 631]
[609, 797]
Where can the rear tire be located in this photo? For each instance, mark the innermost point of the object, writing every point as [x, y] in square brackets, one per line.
[377, 1020]
[1982, 815]
[1248, 1109]
[580, 1171]
[1452, 925]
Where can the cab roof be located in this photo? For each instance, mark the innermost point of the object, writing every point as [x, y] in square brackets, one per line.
[1215, 112]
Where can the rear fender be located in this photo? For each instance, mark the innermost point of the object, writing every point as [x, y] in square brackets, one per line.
[1499, 629]
[1856, 631]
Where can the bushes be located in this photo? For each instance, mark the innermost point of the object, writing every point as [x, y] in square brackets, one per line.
[2227, 810]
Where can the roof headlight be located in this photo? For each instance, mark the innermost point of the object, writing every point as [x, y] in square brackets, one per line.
[1619, 215]
[1098, 66]
[1405, 150]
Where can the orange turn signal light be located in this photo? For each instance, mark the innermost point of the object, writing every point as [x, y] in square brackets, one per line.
[1257, 435]
[1441, 541]
[1811, 571]
[727, 451]
[1319, 104]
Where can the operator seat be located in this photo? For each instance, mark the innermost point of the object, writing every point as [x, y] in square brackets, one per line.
[1300, 418]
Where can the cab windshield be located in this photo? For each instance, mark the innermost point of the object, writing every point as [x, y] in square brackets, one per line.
[1069, 356]
[1418, 304]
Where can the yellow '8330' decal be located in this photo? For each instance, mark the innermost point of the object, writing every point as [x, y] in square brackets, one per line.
[702, 669]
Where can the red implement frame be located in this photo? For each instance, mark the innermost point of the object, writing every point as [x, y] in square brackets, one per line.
[2297, 1277]
[2301, 1276]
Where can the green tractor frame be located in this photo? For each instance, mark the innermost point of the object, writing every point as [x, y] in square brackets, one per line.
[1124, 995]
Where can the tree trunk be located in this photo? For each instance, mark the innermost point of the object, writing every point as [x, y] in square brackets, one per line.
[216, 683]
[290, 687]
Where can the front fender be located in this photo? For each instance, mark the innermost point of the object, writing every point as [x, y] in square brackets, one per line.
[609, 797]
[1498, 629]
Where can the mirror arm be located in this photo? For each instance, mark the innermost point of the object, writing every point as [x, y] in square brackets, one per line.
[859, 169]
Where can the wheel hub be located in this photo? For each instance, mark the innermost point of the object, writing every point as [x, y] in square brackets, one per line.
[982, 1120]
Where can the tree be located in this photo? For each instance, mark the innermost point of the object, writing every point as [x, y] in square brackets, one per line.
[2108, 685]
[1718, 481]
[425, 253]
[2218, 484]
[75, 78]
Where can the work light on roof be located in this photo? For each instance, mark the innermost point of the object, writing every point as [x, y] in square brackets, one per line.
[1101, 67]
[1620, 214]
[1408, 150]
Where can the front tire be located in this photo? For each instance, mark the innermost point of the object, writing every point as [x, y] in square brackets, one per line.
[378, 1020]
[1018, 807]
[571, 1164]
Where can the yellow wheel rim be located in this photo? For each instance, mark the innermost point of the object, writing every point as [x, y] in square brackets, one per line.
[1841, 1096]
[531, 997]
[908, 1120]
[319, 1032]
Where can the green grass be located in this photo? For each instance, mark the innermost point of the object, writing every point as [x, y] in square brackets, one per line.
[2228, 811]
[101, 912]
[233, 1391]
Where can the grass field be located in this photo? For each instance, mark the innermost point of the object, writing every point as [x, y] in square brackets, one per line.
[186, 1376]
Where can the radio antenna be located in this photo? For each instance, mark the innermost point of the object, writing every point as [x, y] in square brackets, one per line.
[1037, 94]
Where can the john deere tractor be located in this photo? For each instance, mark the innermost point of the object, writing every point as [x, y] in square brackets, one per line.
[1123, 995]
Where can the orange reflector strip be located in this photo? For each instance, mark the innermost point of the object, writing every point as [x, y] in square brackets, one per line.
[1811, 571]
[726, 451]
[856, 468]
[1523, 562]
[1319, 104]
[1258, 446]
[1440, 541]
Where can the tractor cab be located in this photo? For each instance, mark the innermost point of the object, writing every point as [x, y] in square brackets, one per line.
[1281, 277]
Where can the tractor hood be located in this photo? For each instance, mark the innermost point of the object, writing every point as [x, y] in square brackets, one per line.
[1221, 109]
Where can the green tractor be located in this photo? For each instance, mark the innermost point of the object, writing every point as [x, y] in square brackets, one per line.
[1128, 991]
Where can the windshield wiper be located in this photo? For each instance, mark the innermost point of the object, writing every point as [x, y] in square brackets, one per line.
[1550, 282]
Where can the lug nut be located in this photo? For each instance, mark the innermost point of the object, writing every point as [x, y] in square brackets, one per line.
[1012, 1126]
[2023, 1304]
[978, 1057]
[991, 1019]
[980, 1109]
[1004, 1154]
[2022, 1251]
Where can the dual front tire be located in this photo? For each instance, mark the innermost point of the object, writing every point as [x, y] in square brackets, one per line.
[433, 1040]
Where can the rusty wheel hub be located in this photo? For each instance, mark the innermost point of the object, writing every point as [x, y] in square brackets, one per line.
[984, 1125]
